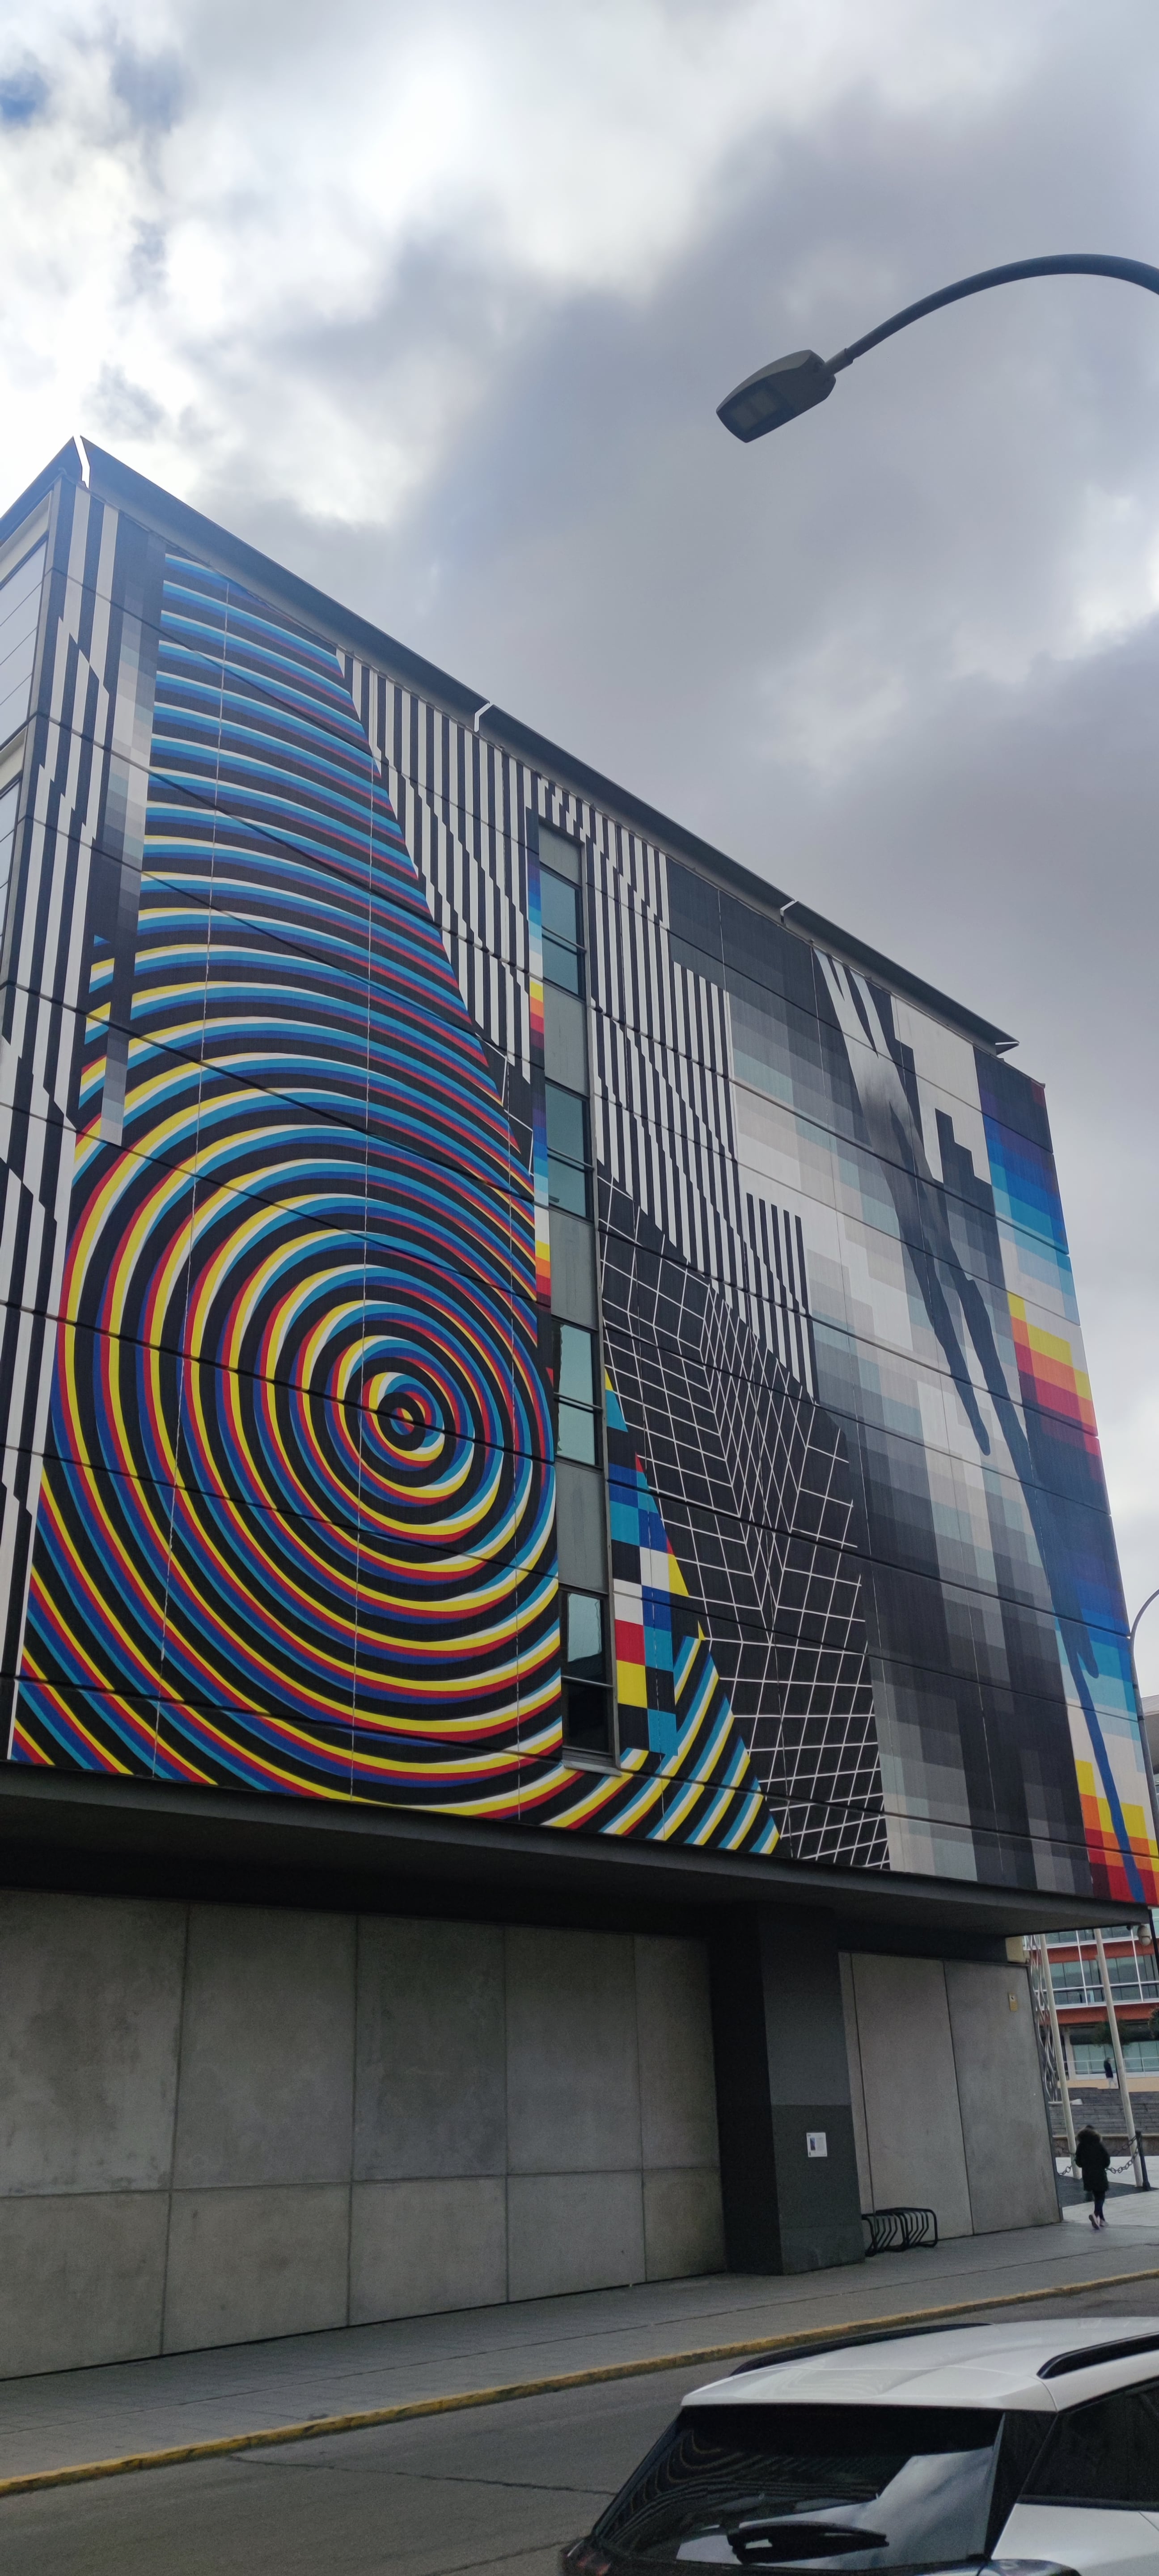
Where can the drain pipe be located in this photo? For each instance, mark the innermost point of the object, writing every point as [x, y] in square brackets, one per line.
[1056, 2037]
[1142, 2177]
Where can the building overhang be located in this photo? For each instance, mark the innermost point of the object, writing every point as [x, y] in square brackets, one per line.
[1080, 2017]
[64, 1829]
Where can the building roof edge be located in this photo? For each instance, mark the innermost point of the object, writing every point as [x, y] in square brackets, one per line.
[126, 489]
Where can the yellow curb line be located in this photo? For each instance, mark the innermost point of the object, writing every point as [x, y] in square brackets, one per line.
[318, 2426]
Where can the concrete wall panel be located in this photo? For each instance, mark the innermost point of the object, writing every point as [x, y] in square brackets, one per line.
[573, 2096]
[417, 2247]
[573, 2232]
[1008, 2153]
[332, 2119]
[267, 2048]
[246, 2264]
[818, 2202]
[88, 2042]
[913, 2124]
[81, 2279]
[430, 2094]
[683, 2224]
[677, 2086]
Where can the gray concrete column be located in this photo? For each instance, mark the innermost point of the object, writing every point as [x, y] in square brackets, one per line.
[788, 2164]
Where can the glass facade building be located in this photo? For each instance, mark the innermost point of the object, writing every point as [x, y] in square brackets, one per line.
[505, 1314]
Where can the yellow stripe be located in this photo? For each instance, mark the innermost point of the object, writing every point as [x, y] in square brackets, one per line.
[319, 2427]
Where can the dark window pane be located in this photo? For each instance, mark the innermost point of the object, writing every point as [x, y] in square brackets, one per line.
[697, 960]
[567, 1123]
[761, 949]
[587, 1717]
[583, 1636]
[8, 804]
[559, 908]
[575, 1435]
[693, 909]
[567, 1187]
[1107, 2453]
[557, 851]
[837, 2486]
[561, 966]
[1023, 2437]
[575, 1368]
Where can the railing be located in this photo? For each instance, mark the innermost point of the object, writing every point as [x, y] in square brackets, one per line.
[899, 2231]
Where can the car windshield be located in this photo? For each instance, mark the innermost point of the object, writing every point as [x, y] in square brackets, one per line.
[815, 2487]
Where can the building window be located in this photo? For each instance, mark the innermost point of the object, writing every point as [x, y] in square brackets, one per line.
[19, 619]
[568, 1151]
[1106, 2453]
[577, 1433]
[8, 804]
[563, 942]
[587, 1698]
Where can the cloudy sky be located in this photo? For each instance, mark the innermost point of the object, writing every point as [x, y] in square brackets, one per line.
[436, 303]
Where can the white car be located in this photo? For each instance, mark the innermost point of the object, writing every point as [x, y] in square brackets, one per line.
[1023, 2448]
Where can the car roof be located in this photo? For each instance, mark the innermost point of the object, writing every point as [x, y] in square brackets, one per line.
[1040, 2367]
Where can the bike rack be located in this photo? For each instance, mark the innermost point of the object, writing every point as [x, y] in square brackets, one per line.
[899, 2231]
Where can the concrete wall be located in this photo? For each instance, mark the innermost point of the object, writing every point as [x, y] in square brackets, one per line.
[947, 2097]
[219, 2123]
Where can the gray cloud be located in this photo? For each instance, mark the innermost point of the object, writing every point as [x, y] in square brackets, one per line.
[901, 658]
[120, 409]
[150, 86]
[24, 94]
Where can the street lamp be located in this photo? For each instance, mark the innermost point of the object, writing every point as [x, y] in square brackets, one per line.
[789, 386]
[780, 392]
[1152, 1596]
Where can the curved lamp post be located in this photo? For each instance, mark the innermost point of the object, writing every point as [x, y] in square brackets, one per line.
[1134, 2145]
[1152, 1596]
[789, 386]
[778, 393]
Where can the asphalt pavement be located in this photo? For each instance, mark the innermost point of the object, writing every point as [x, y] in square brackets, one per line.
[495, 2493]
[486, 2492]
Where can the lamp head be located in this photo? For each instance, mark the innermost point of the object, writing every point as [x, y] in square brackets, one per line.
[777, 393]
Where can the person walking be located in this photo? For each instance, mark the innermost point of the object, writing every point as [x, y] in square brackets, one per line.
[1094, 2164]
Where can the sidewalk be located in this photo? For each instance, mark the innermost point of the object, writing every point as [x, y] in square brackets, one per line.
[70, 2417]
[1129, 2213]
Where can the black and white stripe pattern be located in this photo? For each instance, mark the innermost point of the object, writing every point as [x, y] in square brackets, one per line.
[662, 1071]
[77, 853]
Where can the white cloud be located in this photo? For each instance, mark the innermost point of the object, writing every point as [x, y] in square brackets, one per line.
[436, 303]
[209, 185]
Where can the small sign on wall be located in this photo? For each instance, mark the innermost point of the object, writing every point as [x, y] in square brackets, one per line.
[816, 2142]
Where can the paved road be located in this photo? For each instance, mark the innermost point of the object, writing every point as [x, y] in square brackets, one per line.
[496, 2493]
[493, 2493]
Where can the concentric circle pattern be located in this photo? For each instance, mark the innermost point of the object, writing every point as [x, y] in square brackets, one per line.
[296, 1528]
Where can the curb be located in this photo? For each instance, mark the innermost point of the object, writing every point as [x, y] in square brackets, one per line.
[317, 2427]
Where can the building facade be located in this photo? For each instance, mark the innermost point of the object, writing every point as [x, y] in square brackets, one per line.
[523, 1348]
[1081, 2005]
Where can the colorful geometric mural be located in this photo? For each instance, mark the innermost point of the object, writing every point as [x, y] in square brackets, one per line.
[295, 1518]
[671, 1701]
[278, 1489]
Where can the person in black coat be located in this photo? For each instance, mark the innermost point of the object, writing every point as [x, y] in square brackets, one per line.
[1094, 2164]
